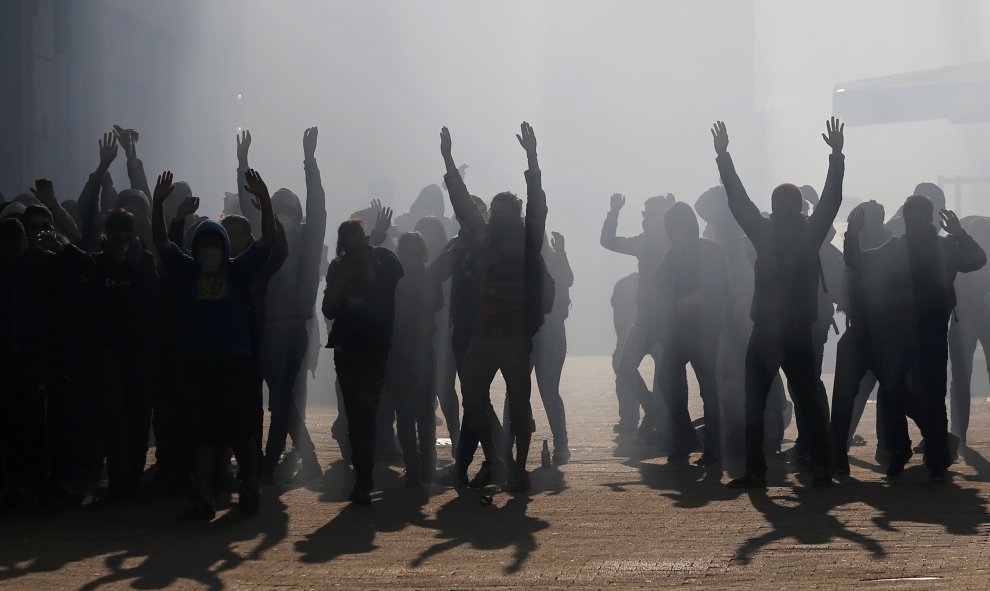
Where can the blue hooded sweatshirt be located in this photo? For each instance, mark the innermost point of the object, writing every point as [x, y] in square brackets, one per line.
[217, 311]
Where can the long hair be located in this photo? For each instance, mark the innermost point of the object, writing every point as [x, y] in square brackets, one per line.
[345, 232]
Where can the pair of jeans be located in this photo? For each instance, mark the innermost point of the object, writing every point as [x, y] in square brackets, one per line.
[700, 350]
[361, 372]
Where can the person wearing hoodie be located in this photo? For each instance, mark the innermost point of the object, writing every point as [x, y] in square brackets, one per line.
[220, 370]
[289, 304]
[510, 309]
[785, 301]
[915, 275]
[694, 271]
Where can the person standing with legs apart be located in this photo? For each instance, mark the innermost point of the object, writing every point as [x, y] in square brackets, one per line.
[785, 302]
[510, 308]
[360, 300]
[220, 367]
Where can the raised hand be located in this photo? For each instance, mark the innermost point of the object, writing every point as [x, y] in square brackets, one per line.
[257, 187]
[721, 137]
[617, 202]
[188, 207]
[108, 150]
[376, 204]
[243, 146]
[45, 192]
[856, 221]
[384, 221]
[950, 222]
[834, 135]
[445, 144]
[309, 143]
[127, 138]
[527, 139]
[557, 241]
[163, 188]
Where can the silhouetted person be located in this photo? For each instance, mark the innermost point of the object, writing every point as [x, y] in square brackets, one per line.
[360, 300]
[916, 272]
[857, 353]
[289, 304]
[510, 307]
[649, 248]
[623, 302]
[412, 362]
[695, 273]
[785, 301]
[972, 326]
[220, 369]
[896, 225]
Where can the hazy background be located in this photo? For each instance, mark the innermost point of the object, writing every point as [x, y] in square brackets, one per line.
[621, 95]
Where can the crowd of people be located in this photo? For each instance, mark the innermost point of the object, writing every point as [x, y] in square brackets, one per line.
[125, 315]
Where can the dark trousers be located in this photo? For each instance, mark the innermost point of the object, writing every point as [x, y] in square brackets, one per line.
[820, 336]
[23, 445]
[126, 403]
[221, 399]
[792, 350]
[964, 334]
[450, 404]
[642, 340]
[284, 350]
[854, 367]
[549, 353]
[628, 404]
[361, 372]
[701, 351]
[912, 385]
[470, 438]
[411, 386]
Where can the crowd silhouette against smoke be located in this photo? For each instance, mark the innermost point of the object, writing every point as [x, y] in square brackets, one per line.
[125, 312]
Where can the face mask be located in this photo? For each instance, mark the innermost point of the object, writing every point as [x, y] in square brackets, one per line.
[210, 259]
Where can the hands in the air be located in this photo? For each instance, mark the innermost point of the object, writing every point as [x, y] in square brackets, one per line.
[243, 147]
[950, 222]
[527, 139]
[557, 241]
[720, 136]
[127, 138]
[45, 192]
[163, 188]
[256, 186]
[188, 207]
[834, 135]
[309, 143]
[384, 221]
[618, 200]
[108, 150]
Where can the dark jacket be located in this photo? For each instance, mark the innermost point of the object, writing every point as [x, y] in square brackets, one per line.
[365, 316]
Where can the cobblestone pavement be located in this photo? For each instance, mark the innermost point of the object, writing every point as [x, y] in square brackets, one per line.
[615, 517]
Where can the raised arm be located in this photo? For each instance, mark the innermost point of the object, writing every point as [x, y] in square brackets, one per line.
[316, 203]
[44, 190]
[536, 199]
[828, 206]
[177, 229]
[567, 274]
[967, 255]
[127, 138]
[610, 227]
[383, 223]
[89, 198]
[257, 187]
[470, 217]
[159, 234]
[743, 209]
[247, 208]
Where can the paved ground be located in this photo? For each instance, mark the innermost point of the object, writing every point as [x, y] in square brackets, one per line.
[610, 519]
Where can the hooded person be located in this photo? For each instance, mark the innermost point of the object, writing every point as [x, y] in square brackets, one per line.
[136, 202]
[895, 225]
[429, 203]
[219, 363]
[694, 272]
[785, 302]
[915, 276]
[290, 301]
[644, 338]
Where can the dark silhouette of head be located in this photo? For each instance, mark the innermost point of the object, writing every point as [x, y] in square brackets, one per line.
[875, 213]
[118, 231]
[13, 241]
[505, 212]
[934, 194]
[433, 232]
[239, 232]
[134, 201]
[918, 213]
[681, 224]
[786, 199]
[654, 210]
[210, 246]
[350, 237]
[287, 209]
[180, 191]
[412, 250]
[37, 219]
[430, 201]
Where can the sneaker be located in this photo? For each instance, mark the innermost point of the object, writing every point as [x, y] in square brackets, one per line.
[749, 481]
[517, 480]
[707, 459]
[199, 511]
[310, 471]
[561, 455]
[490, 473]
[361, 494]
[249, 500]
[857, 441]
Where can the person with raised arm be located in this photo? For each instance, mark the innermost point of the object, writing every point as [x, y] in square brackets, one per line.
[510, 308]
[785, 300]
[219, 364]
